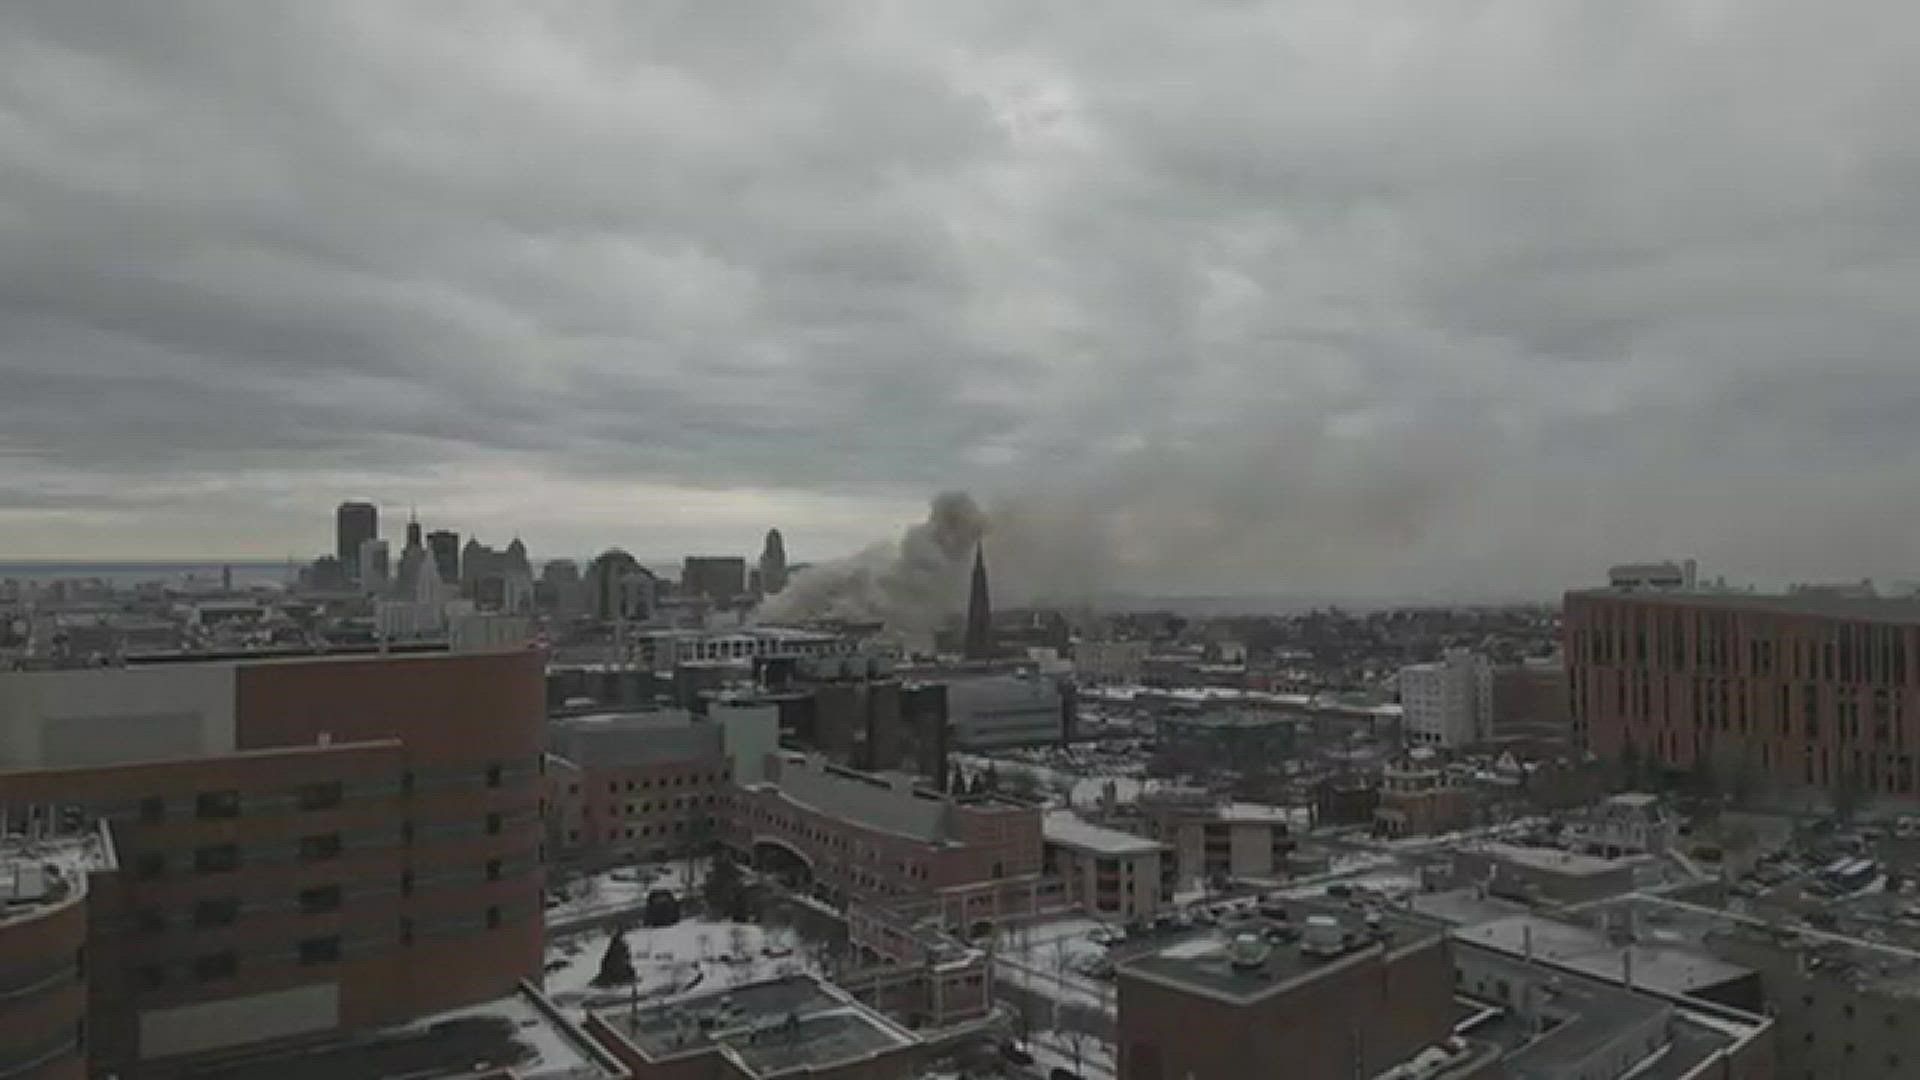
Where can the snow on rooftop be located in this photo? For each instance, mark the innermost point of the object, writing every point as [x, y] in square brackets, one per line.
[1066, 828]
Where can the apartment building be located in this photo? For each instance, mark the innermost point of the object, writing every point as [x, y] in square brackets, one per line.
[1210, 839]
[1813, 690]
[301, 846]
[1110, 874]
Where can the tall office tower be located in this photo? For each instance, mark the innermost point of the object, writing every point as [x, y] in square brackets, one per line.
[354, 523]
[719, 578]
[773, 563]
[979, 639]
[413, 532]
[445, 545]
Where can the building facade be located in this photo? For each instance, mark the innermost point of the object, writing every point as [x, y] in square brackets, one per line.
[354, 523]
[1811, 691]
[1449, 702]
[1110, 874]
[305, 846]
[1212, 840]
[719, 578]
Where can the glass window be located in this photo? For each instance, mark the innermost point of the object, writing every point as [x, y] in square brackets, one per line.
[324, 950]
[216, 858]
[215, 966]
[218, 912]
[317, 848]
[319, 899]
[324, 795]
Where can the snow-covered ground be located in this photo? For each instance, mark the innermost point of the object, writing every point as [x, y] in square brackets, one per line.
[557, 1055]
[1052, 960]
[672, 960]
[623, 889]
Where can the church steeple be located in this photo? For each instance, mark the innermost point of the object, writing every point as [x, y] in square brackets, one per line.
[978, 644]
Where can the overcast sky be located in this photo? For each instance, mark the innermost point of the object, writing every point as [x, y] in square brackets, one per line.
[1447, 298]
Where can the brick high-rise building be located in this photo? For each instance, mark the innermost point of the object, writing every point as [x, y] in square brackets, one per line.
[1812, 690]
[294, 847]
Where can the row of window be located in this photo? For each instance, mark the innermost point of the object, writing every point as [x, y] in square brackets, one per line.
[221, 858]
[317, 795]
[225, 964]
[685, 780]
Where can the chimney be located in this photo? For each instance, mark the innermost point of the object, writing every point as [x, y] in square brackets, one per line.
[1626, 966]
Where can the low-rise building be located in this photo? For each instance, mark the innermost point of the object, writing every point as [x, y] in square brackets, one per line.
[1319, 995]
[1111, 874]
[994, 711]
[1100, 662]
[1542, 876]
[1210, 839]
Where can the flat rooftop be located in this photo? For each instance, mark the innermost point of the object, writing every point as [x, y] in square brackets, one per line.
[43, 873]
[1584, 1015]
[1203, 962]
[1067, 829]
[518, 1032]
[766, 1029]
[1668, 963]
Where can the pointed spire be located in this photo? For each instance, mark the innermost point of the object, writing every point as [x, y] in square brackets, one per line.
[978, 644]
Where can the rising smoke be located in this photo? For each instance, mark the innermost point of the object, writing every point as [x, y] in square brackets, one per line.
[911, 585]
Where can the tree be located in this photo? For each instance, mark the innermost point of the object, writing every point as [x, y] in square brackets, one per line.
[616, 965]
[957, 781]
[992, 779]
[1846, 795]
[725, 890]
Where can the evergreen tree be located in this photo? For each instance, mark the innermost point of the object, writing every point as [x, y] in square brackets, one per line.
[725, 889]
[616, 966]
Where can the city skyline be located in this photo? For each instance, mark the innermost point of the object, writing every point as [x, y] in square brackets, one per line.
[1440, 306]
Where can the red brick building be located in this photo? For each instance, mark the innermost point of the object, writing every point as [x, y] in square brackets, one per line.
[1814, 691]
[305, 846]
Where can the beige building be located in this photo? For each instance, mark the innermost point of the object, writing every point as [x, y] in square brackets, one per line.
[1112, 874]
[1210, 839]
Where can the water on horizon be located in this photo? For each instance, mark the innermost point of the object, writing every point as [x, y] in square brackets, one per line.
[246, 573]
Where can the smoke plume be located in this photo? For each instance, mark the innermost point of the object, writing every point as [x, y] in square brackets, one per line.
[911, 585]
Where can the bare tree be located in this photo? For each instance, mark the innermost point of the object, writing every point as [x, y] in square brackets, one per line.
[738, 944]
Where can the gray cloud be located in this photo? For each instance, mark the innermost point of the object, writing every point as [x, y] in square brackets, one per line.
[1402, 297]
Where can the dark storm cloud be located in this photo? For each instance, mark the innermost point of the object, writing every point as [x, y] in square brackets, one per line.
[1440, 297]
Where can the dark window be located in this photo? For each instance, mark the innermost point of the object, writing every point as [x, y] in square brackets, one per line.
[406, 883]
[153, 808]
[153, 976]
[493, 776]
[406, 832]
[320, 898]
[493, 869]
[316, 848]
[324, 950]
[493, 918]
[406, 931]
[220, 912]
[217, 804]
[493, 824]
[217, 858]
[406, 782]
[220, 965]
[153, 920]
[321, 796]
[151, 865]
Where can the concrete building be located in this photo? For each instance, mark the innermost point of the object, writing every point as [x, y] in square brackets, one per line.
[721, 579]
[305, 846]
[860, 838]
[1806, 692]
[1212, 840]
[1448, 703]
[1110, 874]
[354, 523]
[993, 711]
[1101, 662]
[1319, 995]
[618, 587]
